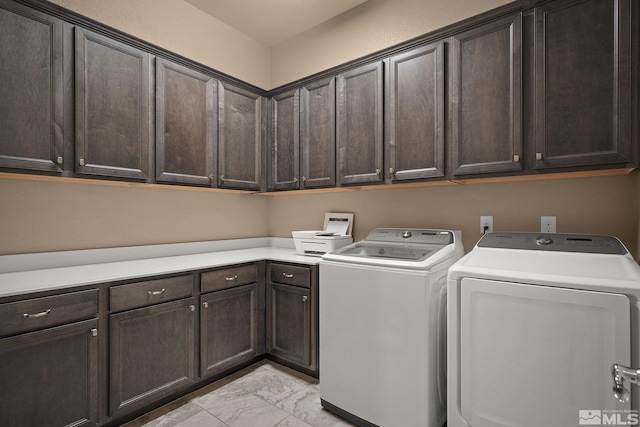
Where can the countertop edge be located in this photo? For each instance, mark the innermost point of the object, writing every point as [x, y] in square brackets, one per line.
[69, 277]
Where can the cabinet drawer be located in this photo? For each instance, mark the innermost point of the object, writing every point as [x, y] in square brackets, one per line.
[140, 294]
[39, 313]
[228, 277]
[291, 274]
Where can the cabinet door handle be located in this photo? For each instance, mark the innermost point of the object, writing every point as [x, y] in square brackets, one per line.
[231, 278]
[538, 156]
[34, 315]
[304, 298]
[59, 160]
[516, 158]
[160, 292]
[295, 179]
[81, 162]
[192, 307]
[392, 171]
[205, 304]
[378, 172]
[94, 332]
[287, 275]
[304, 179]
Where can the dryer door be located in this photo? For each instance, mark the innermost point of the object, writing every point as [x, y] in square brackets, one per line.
[539, 356]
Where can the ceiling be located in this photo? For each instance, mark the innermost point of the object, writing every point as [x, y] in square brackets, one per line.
[273, 21]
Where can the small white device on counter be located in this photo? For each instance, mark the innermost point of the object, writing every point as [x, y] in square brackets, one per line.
[336, 234]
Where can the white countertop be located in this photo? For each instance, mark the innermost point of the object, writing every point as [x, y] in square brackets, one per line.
[45, 279]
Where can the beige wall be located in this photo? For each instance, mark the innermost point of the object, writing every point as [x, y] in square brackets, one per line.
[368, 28]
[184, 29]
[49, 216]
[605, 205]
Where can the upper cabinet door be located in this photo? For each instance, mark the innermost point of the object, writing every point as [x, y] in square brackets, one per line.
[285, 141]
[241, 134]
[31, 87]
[486, 98]
[186, 125]
[415, 113]
[583, 83]
[360, 116]
[112, 107]
[318, 133]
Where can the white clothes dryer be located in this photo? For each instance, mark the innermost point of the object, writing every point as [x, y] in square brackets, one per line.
[543, 330]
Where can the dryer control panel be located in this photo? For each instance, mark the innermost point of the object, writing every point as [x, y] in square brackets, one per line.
[584, 243]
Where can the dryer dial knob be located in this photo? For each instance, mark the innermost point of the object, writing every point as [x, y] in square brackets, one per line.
[544, 241]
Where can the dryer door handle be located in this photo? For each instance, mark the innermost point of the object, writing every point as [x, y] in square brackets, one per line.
[621, 374]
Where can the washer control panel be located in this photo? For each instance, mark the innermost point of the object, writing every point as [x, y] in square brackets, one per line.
[411, 235]
[584, 243]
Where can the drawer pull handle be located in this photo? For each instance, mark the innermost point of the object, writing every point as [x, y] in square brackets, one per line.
[160, 292]
[304, 298]
[287, 275]
[232, 278]
[41, 314]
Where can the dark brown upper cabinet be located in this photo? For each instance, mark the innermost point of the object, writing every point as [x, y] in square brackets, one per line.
[414, 140]
[113, 123]
[583, 83]
[285, 141]
[360, 124]
[186, 125]
[486, 98]
[241, 138]
[31, 89]
[318, 133]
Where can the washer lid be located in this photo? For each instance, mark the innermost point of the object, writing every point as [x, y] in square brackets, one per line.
[401, 247]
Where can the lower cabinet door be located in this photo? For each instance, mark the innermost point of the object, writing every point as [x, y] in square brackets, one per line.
[229, 328]
[152, 353]
[289, 324]
[50, 377]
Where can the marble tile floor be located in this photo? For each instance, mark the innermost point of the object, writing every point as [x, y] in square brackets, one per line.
[265, 394]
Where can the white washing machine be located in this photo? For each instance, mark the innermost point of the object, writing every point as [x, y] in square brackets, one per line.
[382, 327]
[543, 331]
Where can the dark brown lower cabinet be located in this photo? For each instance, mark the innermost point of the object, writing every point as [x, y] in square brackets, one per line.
[50, 377]
[230, 328]
[152, 354]
[292, 327]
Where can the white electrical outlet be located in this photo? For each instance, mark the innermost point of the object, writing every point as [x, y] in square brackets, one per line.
[486, 224]
[548, 224]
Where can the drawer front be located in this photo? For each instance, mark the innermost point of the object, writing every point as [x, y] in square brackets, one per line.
[141, 294]
[228, 277]
[291, 274]
[39, 313]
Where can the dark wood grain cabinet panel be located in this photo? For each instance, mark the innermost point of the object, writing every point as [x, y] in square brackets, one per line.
[50, 377]
[186, 125]
[230, 328]
[285, 141]
[241, 138]
[583, 96]
[113, 123]
[414, 141]
[360, 124]
[31, 89]
[292, 316]
[152, 354]
[318, 133]
[486, 98]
